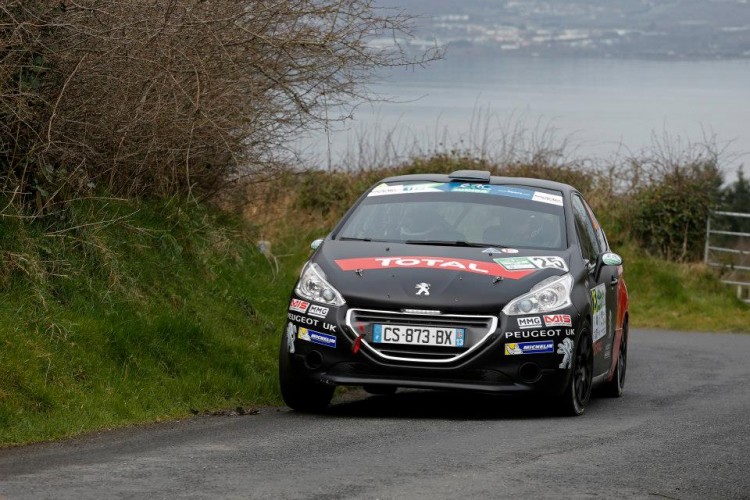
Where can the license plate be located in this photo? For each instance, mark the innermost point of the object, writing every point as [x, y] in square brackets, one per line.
[418, 335]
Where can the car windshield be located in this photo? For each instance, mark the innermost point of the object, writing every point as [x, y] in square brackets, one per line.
[460, 214]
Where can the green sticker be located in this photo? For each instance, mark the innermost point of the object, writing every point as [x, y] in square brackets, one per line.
[515, 263]
[533, 262]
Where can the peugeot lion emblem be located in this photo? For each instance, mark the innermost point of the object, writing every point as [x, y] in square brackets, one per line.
[423, 288]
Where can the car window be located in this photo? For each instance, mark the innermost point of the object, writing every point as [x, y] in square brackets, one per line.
[585, 229]
[491, 215]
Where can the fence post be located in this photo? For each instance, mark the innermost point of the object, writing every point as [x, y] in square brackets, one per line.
[708, 237]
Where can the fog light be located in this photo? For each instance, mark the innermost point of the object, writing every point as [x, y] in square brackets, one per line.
[526, 306]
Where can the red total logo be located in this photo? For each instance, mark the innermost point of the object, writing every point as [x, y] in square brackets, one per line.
[446, 264]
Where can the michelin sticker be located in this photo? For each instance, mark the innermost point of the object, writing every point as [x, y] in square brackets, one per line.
[513, 348]
[536, 262]
[566, 349]
[599, 311]
[316, 337]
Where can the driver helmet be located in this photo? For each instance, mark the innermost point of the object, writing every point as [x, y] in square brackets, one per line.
[528, 228]
[418, 222]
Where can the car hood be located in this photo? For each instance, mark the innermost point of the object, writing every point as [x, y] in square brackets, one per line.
[446, 278]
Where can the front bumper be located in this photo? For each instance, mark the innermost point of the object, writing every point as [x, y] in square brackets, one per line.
[506, 356]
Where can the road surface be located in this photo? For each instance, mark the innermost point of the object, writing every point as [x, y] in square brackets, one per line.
[682, 430]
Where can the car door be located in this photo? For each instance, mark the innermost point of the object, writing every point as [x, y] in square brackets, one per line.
[602, 288]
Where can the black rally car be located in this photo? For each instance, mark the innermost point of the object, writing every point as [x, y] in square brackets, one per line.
[463, 281]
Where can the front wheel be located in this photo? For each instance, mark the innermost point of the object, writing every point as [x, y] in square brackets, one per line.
[299, 392]
[578, 391]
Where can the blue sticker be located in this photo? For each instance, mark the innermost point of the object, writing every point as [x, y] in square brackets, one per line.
[377, 333]
[316, 337]
[543, 347]
[459, 337]
[511, 192]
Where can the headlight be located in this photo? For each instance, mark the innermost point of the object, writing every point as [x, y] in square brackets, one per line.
[548, 295]
[312, 285]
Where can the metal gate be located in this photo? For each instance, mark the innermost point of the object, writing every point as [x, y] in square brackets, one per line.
[728, 247]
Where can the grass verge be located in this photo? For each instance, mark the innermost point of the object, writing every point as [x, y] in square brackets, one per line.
[160, 312]
[678, 296]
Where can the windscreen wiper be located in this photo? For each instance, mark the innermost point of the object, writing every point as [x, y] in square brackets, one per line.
[347, 238]
[446, 243]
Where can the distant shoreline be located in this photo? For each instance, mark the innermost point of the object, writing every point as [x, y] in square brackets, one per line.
[485, 51]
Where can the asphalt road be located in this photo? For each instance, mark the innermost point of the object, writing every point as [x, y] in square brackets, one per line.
[682, 430]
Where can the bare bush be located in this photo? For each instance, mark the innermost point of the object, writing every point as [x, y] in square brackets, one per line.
[168, 96]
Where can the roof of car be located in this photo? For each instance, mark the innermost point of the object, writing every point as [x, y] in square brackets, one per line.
[497, 180]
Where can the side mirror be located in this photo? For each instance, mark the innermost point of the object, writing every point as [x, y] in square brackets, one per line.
[606, 259]
[316, 243]
[611, 259]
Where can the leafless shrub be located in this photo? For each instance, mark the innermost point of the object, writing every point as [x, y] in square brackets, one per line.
[171, 96]
[509, 140]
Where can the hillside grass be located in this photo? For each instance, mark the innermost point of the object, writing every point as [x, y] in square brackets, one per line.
[126, 312]
[680, 296]
[162, 312]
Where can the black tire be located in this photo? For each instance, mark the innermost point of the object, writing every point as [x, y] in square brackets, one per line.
[298, 391]
[380, 390]
[577, 393]
[614, 388]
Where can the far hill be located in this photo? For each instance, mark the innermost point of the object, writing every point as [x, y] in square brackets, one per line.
[620, 28]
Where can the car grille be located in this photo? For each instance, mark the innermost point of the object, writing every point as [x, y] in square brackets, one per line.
[477, 329]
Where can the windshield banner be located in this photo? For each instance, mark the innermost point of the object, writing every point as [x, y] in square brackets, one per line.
[453, 187]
